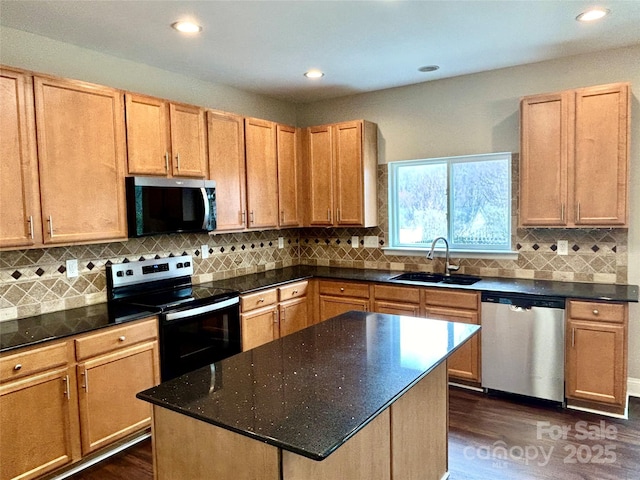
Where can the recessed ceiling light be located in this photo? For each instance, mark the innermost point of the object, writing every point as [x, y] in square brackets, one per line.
[592, 14]
[187, 27]
[314, 74]
[429, 68]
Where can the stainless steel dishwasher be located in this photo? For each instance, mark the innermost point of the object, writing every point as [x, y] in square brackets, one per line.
[523, 345]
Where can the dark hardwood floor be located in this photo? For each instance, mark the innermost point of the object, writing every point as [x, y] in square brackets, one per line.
[492, 438]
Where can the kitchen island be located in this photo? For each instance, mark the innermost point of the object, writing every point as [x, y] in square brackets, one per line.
[359, 396]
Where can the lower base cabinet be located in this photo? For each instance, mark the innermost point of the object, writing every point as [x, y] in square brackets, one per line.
[337, 297]
[64, 400]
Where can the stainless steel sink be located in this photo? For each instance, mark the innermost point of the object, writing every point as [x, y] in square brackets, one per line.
[428, 277]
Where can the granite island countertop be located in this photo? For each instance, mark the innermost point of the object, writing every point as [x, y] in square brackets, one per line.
[311, 391]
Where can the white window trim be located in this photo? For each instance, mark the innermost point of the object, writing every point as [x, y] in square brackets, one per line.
[453, 252]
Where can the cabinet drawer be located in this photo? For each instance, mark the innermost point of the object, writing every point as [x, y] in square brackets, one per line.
[34, 360]
[597, 311]
[293, 290]
[402, 294]
[345, 289]
[114, 338]
[453, 298]
[258, 299]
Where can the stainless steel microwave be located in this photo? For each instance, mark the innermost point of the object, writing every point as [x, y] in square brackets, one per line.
[158, 205]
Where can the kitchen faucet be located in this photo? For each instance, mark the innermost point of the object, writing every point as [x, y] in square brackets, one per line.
[448, 268]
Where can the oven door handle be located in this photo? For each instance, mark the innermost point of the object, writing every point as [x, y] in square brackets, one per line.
[192, 312]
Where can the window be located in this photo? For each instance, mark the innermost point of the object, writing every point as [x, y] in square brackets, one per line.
[466, 199]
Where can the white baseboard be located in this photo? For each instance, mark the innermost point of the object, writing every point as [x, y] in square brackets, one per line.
[633, 387]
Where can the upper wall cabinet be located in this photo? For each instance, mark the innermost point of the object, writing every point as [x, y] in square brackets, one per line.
[81, 155]
[19, 196]
[165, 138]
[288, 176]
[341, 162]
[262, 173]
[575, 157]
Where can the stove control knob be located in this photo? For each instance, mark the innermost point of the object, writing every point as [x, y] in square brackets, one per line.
[179, 265]
[120, 274]
[129, 273]
[187, 264]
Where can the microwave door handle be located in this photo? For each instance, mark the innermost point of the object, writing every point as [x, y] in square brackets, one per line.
[192, 312]
[207, 211]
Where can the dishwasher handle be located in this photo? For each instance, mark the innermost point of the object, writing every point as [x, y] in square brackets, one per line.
[524, 301]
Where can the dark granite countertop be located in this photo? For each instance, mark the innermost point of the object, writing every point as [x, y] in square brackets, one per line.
[51, 326]
[311, 391]
[587, 291]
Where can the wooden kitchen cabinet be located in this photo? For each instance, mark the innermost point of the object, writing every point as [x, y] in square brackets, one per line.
[293, 308]
[575, 158]
[262, 173]
[20, 223]
[113, 367]
[596, 355]
[341, 161]
[396, 300]
[337, 297]
[458, 306]
[288, 176]
[165, 138]
[81, 156]
[38, 411]
[227, 167]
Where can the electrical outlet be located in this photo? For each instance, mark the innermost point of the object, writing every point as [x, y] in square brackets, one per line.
[280, 242]
[370, 241]
[355, 241]
[563, 247]
[72, 268]
[205, 251]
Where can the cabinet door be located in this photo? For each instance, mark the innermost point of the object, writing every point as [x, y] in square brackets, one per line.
[19, 197]
[148, 140]
[601, 155]
[464, 363]
[332, 306]
[293, 316]
[188, 141]
[81, 150]
[596, 363]
[544, 159]
[319, 173]
[288, 176]
[107, 386]
[348, 176]
[258, 327]
[262, 173]
[35, 414]
[226, 167]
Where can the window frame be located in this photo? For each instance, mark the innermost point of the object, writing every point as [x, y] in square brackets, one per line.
[393, 207]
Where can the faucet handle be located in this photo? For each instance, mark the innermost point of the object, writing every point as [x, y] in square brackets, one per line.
[452, 268]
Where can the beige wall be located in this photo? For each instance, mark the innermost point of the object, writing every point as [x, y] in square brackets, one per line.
[40, 54]
[479, 114]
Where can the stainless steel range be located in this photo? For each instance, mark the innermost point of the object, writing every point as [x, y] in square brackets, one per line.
[198, 324]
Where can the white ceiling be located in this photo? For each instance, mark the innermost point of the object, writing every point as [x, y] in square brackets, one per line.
[266, 46]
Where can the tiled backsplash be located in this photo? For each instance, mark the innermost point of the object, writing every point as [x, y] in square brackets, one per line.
[35, 281]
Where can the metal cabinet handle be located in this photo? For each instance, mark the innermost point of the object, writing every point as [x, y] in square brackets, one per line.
[294, 292]
[178, 161]
[17, 367]
[342, 289]
[260, 300]
[166, 161]
[337, 214]
[50, 222]
[30, 222]
[573, 336]
[578, 212]
[281, 216]
[244, 217]
[122, 338]
[275, 316]
[595, 311]
[85, 385]
[252, 219]
[66, 392]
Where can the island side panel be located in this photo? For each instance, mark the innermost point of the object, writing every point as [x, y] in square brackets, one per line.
[419, 429]
[186, 448]
[365, 456]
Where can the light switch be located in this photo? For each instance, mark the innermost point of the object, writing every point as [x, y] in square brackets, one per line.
[72, 268]
[280, 242]
[205, 251]
[355, 241]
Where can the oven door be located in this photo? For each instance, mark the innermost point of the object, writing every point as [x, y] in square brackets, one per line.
[196, 337]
